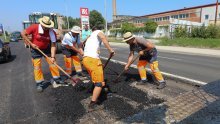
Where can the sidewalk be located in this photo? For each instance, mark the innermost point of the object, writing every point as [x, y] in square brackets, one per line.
[197, 51]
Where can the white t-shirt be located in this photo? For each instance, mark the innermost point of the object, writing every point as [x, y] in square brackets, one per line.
[92, 46]
[70, 40]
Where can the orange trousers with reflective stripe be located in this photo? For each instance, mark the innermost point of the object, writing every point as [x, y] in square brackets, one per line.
[154, 68]
[76, 63]
[95, 69]
[38, 73]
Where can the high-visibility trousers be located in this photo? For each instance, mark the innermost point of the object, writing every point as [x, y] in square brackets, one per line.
[154, 68]
[76, 62]
[95, 69]
[38, 73]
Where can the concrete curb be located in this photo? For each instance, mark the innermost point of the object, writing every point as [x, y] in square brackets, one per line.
[168, 75]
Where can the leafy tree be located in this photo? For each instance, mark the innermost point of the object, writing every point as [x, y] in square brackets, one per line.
[150, 26]
[96, 18]
[72, 22]
[127, 27]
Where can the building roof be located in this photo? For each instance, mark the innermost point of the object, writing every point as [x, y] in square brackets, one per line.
[185, 8]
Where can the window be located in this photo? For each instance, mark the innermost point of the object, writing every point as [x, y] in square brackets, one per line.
[187, 15]
[206, 17]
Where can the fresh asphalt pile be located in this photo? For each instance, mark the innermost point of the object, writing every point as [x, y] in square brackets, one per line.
[67, 101]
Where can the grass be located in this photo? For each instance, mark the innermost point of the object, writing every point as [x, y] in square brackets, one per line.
[3, 38]
[191, 42]
[111, 39]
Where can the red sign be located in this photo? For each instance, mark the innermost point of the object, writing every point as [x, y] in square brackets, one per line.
[84, 12]
[84, 15]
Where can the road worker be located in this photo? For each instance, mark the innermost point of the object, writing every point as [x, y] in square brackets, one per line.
[93, 64]
[148, 54]
[44, 38]
[71, 47]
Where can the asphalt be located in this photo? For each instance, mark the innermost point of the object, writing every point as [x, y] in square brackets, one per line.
[20, 103]
[196, 64]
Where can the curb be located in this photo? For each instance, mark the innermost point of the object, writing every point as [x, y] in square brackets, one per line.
[168, 75]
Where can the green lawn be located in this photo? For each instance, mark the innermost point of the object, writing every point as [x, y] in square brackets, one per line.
[191, 42]
[111, 39]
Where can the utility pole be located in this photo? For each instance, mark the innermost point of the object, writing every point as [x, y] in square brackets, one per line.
[216, 12]
[106, 23]
[68, 24]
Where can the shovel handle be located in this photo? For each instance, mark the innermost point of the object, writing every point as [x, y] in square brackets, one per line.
[54, 63]
[128, 66]
[110, 56]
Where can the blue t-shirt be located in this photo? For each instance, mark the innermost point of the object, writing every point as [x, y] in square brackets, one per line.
[85, 34]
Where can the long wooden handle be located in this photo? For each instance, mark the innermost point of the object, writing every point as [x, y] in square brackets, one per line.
[128, 66]
[50, 60]
[110, 56]
[54, 63]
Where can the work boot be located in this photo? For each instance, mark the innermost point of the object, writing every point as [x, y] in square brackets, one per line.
[39, 87]
[59, 81]
[162, 85]
[93, 106]
[142, 82]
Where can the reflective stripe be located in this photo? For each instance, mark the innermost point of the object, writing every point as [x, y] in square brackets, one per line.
[161, 81]
[68, 68]
[39, 81]
[143, 78]
[56, 77]
[37, 68]
[52, 65]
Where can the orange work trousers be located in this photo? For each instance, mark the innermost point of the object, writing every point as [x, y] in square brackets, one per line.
[154, 68]
[95, 69]
[76, 62]
[38, 73]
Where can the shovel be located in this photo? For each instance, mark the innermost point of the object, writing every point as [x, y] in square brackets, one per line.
[74, 80]
[116, 80]
[109, 58]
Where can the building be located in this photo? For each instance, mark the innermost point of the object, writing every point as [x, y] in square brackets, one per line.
[198, 15]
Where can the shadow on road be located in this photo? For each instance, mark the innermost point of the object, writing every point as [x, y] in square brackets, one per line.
[12, 58]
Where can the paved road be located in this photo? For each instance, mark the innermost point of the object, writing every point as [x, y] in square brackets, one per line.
[196, 67]
[19, 102]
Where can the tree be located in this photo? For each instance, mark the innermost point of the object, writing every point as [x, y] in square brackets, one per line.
[96, 18]
[72, 22]
[127, 27]
[150, 26]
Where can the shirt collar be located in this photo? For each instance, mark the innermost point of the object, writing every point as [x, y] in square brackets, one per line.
[40, 29]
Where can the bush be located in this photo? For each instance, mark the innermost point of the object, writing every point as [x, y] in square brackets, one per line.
[180, 32]
[211, 31]
[150, 26]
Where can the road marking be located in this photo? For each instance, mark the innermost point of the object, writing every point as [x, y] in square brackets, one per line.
[169, 58]
[191, 81]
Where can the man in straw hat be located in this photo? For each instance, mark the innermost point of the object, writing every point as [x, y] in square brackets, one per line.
[71, 51]
[44, 38]
[93, 64]
[148, 54]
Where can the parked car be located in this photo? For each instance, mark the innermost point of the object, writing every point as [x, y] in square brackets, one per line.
[15, 36]
[5, 52]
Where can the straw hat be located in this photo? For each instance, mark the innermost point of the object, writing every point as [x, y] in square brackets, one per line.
[46, 22]
[127, 36]
[76, 29]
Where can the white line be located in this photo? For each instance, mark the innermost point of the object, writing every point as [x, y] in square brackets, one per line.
[169, 58]
[192, 81]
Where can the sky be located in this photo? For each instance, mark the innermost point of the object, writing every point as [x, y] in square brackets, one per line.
[13, 12]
